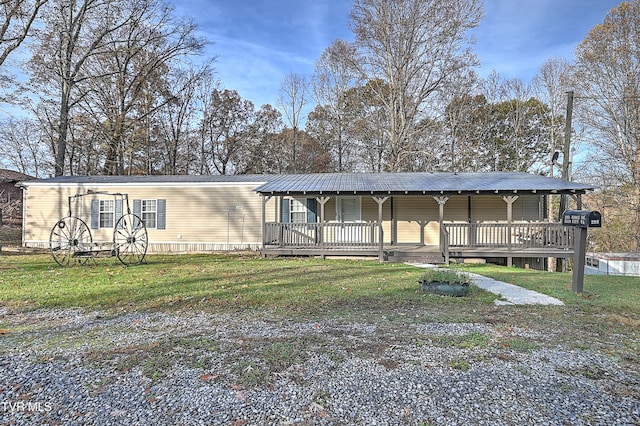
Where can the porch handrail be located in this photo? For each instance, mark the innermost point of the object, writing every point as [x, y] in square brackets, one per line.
[516, 235]
[323, 235]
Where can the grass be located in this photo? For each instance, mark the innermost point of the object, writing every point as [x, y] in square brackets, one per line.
[212, 282]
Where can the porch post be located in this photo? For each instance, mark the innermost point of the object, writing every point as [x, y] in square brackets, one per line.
[578, 200]
[264, 222]
[322, 201]
[442, 200]
[509, 199]
[380, 201]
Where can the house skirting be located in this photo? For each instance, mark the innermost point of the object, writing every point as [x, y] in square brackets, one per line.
[175, 247]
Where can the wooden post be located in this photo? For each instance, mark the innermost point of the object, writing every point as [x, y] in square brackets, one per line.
[566, 153]
[579, 255]
[509, 199]
[380, 201]
[322, 201]
[442, 200]
[264, 222]
[422, 224]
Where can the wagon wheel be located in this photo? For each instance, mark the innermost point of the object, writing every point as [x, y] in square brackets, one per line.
[130, 239]
[68, 236]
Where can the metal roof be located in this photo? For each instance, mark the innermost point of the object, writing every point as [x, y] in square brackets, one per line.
[151, 179]
[417, 183]
[352, 183]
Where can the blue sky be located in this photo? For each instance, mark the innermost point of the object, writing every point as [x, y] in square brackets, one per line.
[258, 42]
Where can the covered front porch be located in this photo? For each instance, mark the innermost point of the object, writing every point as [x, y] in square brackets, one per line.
[416, 216]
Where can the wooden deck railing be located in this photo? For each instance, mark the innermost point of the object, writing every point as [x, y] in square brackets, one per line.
[367, 235]
[322, 235]
[514, 235]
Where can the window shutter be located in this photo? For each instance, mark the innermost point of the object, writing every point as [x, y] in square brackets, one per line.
[137, 208]
[95, 214]
[118, 214]
[161, 218]
[286, 208]
[311, 210]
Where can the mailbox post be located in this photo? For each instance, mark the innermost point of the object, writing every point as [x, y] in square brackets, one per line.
[581, 220]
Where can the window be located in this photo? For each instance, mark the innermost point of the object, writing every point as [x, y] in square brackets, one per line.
[298, 211]
[152, 212]
[107, 214]
[348, 209]
[149, 213]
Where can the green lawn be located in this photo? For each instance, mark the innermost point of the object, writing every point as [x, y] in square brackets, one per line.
[233, 282]
[218, 282]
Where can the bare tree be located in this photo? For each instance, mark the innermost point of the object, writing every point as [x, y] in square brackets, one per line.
[226, 126]
[264, 146]
[22, 148]
[551, 84]
[133, 85]
[176, 119]
[331, 82]
[413, 46]
[16, 18]
[607, 79]
[73, 31]
[293, 98]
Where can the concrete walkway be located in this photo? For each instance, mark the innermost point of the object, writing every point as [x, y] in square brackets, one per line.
[512, 294]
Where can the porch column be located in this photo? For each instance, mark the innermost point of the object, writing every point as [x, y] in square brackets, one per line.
[322, 201]
[578, 200]
[442, 200]
[380, 201]
[265, 199]
[509, 199]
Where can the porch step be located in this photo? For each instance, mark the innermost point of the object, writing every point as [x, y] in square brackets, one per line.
[400, 256]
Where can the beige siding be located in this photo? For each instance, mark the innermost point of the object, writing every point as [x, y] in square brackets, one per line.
[414, 215]
[494, 208]
[197, 217]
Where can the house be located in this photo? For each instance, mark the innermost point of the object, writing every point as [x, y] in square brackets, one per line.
[11, 195]
[613, 264]
[394, 216]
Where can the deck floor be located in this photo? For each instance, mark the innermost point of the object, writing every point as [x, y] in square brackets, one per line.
[418, 251]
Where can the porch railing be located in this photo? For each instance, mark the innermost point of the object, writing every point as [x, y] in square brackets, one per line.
[367, 235]
[322, 235]
[515, 235]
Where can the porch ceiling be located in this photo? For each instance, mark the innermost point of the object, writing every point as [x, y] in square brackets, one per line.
[439, 183]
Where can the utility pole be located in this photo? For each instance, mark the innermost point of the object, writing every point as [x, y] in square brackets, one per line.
[566, 154]
[566, 168]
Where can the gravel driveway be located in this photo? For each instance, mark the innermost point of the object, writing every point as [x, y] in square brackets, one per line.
[71, 367]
